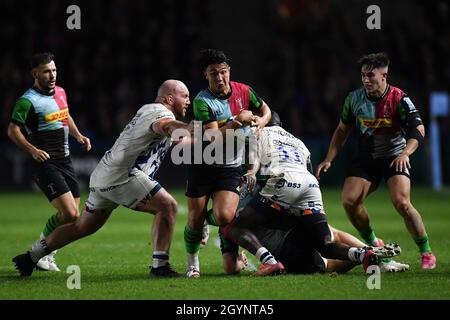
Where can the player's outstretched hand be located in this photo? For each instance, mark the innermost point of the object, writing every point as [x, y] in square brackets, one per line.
[85, 142]
[323, 166]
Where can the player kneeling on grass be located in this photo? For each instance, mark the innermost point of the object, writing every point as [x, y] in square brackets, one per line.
[290, 208]
[124, 176]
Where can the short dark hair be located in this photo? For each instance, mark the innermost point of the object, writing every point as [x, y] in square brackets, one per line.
[374, 60]
[275, 120]
[41, 58]
[212, 56]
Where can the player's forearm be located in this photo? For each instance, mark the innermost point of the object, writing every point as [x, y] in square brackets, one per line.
[19, 140]
[73, 129]
[171, 126]
[411, 146]
[412, 143]
[338, 140]
[230, 125]
[266, 113]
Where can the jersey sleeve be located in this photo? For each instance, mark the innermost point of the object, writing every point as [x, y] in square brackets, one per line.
[255, 101]
[202, 112]
[408, 114]
[347, 116]
[21, 111]
[156, 116]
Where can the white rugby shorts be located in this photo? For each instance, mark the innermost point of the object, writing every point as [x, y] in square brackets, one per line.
[128, 194]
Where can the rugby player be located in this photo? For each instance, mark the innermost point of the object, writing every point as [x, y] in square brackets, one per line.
[223, 105]
[124, 176]
[40, 125]
[390, 130]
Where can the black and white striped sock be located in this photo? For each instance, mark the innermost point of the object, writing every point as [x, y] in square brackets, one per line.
[38, 250]
[356, 254]
[160, 258]
[265, 256]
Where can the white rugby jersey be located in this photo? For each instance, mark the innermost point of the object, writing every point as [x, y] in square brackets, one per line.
[279, 152]
[137, 147]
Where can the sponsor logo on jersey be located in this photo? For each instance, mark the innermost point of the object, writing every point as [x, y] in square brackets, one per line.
[376, 123]
[57, 116]
[280, 184]
[239, 102]
[293, 185]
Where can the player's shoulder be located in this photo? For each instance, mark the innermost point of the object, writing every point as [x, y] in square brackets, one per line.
[239, 86]
[358, 92]
[59, 90]
[396, 92]
[204, 98]
[155, 110]
[202, 95]
[29, 96]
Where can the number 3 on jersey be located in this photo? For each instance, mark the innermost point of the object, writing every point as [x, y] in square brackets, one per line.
[290, 155]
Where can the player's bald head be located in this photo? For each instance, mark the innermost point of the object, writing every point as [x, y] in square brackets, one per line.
[171, 87]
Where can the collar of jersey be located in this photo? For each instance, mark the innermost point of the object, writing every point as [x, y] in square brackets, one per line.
[221, 97]
[43, 92]
[380, 97]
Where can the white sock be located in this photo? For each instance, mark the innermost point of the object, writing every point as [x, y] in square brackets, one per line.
[160, 258]
[356, 254]
[192, 260]
[38, 250]
[265, 256]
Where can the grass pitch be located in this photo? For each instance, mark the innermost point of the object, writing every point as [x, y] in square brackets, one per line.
[114, 261]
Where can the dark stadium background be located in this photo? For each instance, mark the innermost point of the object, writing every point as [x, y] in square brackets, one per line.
[299, 55]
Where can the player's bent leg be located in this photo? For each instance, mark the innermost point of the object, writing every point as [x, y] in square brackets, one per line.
[225, 204]
[87, 224]
[347, 238]
[67, 207]
[354, 193]
[339, 266]
[164, 207]
[399, 189]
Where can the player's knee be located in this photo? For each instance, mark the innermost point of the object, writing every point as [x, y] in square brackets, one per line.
[230, 263]
[402, 205]
[69, 215]
[170, 208]
[350, 203]
[225, 216]
[230, 269]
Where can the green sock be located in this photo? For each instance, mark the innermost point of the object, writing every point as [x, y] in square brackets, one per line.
[211, 219]
[368, 235]
[192, 239]
[52, 224]
[423, 244]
